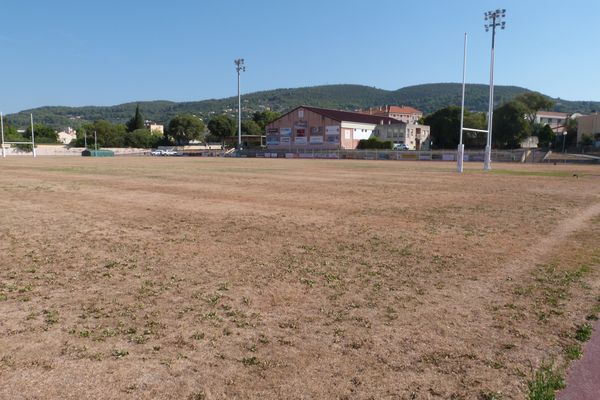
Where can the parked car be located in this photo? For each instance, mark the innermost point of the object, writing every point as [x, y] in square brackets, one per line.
[400, 146]
[157, 152]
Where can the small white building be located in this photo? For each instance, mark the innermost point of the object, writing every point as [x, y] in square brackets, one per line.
[156, 129]
[67, 136]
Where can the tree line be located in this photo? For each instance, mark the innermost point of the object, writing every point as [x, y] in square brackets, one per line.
[513, 122]
[181, 129]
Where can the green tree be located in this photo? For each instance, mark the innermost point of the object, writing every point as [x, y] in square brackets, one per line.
[137, 121]
[141, 138]
[11, 134]
[264, 118]
[184, 128]
[510, 126]
[546, 136]
[445, 127]
[533, 102]
[108, 135]
[587, 139]
[571, 126]
[474, 120]
[249, 127]
[222, 126]
[43, 134]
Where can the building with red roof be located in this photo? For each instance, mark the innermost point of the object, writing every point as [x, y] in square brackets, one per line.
[406, 114]
[309, 128]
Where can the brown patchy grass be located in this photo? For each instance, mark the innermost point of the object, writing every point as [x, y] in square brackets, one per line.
[185, 278]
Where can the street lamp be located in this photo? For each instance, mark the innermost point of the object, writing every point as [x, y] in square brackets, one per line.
[239, 67]
[564, 139]
[493, 20]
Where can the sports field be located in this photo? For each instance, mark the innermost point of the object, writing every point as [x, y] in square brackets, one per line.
[182, 278]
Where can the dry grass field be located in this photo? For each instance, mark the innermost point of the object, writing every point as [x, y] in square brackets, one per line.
[181, 278]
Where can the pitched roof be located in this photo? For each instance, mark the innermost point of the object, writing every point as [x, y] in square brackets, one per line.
[403, 110]
[350, 116]
[552, 114]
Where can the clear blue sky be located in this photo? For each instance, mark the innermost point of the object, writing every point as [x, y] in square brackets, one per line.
[92, 52]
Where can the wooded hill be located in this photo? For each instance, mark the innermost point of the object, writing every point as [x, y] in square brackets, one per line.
[428, 98]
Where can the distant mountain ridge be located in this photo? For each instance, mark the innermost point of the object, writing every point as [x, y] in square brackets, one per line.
[426, 97]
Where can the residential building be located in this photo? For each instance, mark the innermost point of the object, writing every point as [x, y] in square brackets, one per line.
[319, 128]
[589, 125]
[414, 136]
[405, 114]
[156, 129]
[555, 120]
[67, 136]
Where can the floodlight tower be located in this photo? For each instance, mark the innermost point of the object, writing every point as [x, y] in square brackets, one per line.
[494, 19]
[239, 67]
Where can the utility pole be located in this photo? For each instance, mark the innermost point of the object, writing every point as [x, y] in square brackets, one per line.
[239, 67]
[494, 19]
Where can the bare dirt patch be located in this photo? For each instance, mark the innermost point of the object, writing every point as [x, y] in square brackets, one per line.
[248, 278]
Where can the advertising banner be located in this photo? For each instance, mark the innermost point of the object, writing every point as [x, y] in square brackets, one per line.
[285, 132]
[272, 131]
[333, 139]
[272, 140]
[300, 140]
[285, 140]
[332, 130]
[316, 139]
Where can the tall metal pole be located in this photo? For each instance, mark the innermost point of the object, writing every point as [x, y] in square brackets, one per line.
[239, 68]
[487, 164]
[461, 146]
[95, 141]
[495, 17]
[32, 136]
[239, 113]
[2, 130]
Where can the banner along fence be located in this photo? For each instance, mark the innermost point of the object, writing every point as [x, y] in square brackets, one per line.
[435, 155]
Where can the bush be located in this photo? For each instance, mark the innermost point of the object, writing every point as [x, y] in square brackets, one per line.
[374, 143]
[587, 139]
[141, 138]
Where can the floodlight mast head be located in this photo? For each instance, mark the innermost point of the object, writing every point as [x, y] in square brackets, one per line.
[240, 67]
[495, 19]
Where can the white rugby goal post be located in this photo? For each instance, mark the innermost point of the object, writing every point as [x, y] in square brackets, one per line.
[460, 153]
[32, 142]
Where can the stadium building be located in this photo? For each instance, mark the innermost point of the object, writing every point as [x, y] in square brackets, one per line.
[312, 128]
